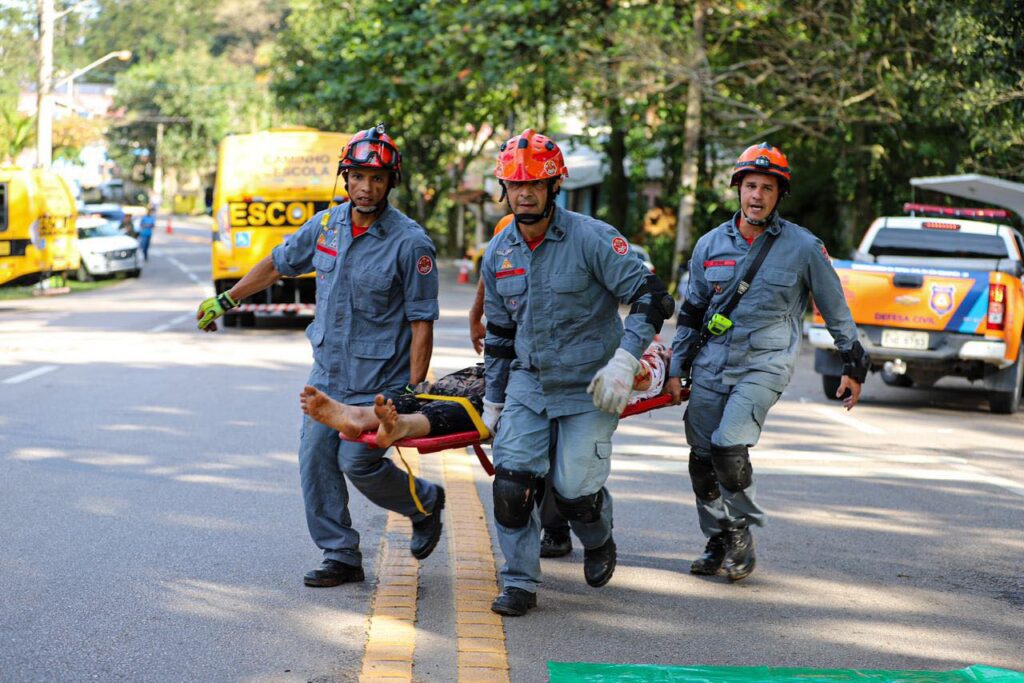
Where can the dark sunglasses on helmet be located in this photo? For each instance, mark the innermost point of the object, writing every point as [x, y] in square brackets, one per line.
[365, 151]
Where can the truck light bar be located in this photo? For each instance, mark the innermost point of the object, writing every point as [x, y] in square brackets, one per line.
[934, 210]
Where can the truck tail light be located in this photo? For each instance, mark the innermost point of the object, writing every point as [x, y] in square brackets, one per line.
[996, 307]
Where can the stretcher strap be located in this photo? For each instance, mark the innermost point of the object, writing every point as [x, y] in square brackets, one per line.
[481, 428]
[412, 483]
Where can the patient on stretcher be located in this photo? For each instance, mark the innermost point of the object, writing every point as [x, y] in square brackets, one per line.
[407, 417]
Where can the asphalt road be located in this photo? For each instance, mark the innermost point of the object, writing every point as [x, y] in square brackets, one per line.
[151, 524]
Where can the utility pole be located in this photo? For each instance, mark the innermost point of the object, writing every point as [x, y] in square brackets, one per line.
[158, 167]
[44, 86]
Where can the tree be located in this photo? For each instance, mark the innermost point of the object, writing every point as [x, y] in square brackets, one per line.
[446, 77]
[200, 98]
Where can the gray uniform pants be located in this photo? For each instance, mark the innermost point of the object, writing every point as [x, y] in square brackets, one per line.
[324, 461]
[734, 418]
[581, 467]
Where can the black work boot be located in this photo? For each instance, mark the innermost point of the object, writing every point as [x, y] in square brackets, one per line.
[599, 563]
[710, 562]
[427, 531]
[739, 557]
[555, 544]
[514, 602]
[333, 573]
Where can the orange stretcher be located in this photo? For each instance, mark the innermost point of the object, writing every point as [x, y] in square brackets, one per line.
[433, 444]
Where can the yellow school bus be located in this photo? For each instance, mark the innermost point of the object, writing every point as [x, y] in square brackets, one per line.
[268, 184]
[37, 226]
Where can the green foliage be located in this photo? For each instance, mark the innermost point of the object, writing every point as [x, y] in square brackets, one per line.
[444, 76]
[198, 97]
[17, 132]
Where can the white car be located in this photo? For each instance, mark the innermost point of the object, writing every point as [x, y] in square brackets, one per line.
[106, 250]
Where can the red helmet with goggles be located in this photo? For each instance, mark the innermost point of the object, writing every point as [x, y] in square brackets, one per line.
[763, 158]
[529, 156]
[372, 148]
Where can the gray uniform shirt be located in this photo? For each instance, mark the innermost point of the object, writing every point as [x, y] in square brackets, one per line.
[562, 299]
[368, 290]
[763, 342]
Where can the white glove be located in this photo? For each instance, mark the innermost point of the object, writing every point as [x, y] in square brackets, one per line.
[492, 411]
[613, 383]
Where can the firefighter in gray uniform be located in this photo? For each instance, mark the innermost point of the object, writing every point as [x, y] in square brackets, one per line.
[376, 300]
[553, 282]
[736, 343]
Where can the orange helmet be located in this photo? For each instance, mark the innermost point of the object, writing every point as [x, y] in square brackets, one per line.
[530, 156]
[763, 158]
[371, 148]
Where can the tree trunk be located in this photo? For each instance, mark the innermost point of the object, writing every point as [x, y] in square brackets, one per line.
[691, 139]
[617, 189]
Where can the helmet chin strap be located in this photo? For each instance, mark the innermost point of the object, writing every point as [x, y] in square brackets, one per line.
[758, 222]
[531, 218]
[376, 208]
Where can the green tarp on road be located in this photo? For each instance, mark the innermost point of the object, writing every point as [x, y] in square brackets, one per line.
[647, 673]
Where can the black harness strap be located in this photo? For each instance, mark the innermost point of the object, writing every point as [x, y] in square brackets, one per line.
[741, 289]
[503, 332]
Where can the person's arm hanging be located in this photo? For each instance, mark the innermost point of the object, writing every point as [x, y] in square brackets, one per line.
[421, 351]
[828, 295]
[420, 287]
[477, 331]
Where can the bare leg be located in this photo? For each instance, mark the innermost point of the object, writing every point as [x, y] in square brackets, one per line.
[393, 426]
[349, 420]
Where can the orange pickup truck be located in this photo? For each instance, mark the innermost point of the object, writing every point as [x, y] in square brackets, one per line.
[935, 293]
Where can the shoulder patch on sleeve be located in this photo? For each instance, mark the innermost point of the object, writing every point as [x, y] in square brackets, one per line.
[824, 253]
[425, 265]
[620, 246]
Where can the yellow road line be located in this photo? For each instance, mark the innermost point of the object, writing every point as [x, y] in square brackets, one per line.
[480, 637]
[392, 628]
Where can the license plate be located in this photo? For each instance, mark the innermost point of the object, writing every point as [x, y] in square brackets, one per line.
[901, 339]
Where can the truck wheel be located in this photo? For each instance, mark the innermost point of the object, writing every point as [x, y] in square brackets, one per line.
[1008, 402]
[830, 385]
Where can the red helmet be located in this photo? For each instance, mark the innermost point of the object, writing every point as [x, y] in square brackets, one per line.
[371, 148]
[530, 156]
[763, 158]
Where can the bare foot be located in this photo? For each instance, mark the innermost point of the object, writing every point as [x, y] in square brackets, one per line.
[389, 431]
[326, 410]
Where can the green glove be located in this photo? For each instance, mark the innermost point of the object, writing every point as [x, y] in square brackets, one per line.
[213, 308]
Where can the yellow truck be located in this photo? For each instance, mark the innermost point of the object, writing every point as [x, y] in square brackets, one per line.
[268, 184]
[935, 293]
[37, 226]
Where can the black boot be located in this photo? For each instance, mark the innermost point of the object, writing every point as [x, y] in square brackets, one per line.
[514, 602]
[555, 544]
[599, 563]
[427, 531]
[739, 558]
[333, 573]
[710, 562]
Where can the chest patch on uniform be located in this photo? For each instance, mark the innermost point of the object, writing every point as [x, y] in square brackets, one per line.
[327, 250]
[620, 246]
[510, 272]
[425, 265]
[712, 264]
[506, 264]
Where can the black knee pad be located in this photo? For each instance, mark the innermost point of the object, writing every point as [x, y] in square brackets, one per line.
[732, 466]
[513, 497]
[586, 509]
[702, 478]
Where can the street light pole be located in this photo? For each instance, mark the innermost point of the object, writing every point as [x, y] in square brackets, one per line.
[123, 55]
[44, 87]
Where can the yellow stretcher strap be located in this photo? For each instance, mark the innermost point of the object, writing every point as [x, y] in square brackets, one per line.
[481, 428]
[412, 484]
